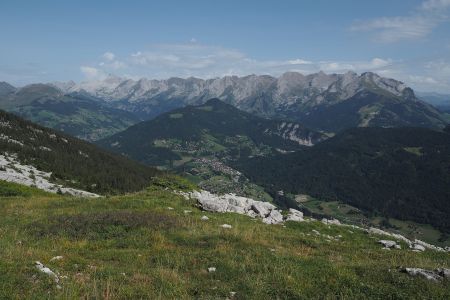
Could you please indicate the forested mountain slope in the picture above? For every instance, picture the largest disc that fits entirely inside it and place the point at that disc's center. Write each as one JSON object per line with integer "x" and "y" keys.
{"x": 71, "y": 161}
{"x": 398, "y": 172}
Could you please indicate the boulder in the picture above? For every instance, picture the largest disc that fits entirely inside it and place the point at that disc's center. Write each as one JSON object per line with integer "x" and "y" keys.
{"x": 445, "y": 273}
{"x": 294, "y": 215}
{"x": 236, "y": 209}
{"x": 214, "y": 205}
{"x": 263, "y": 209}
{"x": 417, "y": 247}
{"x": 388, "y": 243}
{"x": 331, "y": 221}
{"x": 430, "y": 275}
{"x": 274, "y": 217}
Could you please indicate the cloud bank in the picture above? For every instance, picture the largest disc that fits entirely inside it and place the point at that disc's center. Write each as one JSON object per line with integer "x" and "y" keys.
{"x": 204, "y": 61}
{"x": 418, "y": 24}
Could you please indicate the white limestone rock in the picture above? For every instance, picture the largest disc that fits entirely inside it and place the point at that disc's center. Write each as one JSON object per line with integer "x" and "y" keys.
{"x": 263, "y": 209}
{"x": 237, "y": 204}
{"x": 274, "y": 217}
{"x": 331, "y": 221}
{"x": 417, "y": 247}
{"x": 430, "y": 275}
{"x": 47, "y": 271}
{"x": 387, "y": 243}
{"x": 294, "y": 215}
{"x": 12, "y": 170}
{"x": 59, "y": 257}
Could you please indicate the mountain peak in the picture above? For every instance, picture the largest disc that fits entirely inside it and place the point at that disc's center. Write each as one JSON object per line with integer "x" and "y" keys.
{"x": 39, "y": 89}
{"x": 6, "y": 88}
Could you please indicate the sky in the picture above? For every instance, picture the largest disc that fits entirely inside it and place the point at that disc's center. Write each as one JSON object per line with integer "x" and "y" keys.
{"x": 45, "y": 41}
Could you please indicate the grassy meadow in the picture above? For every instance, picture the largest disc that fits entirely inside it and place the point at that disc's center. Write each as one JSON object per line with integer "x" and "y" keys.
{"x": 154, "y": 245}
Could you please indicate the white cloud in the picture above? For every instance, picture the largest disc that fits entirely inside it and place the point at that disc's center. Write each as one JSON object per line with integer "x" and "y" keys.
{"x": 435, "y": 4}
{"x": 92, "y": 73}
{"x": 203, "y": 61}
{"x": 299, "y": 61}
{"x": 418, "y": 24}
{"x": 422, "y": 79}
{"x": 109, "y": 56}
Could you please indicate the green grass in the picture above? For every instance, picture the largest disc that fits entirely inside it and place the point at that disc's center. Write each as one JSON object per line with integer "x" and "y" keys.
{"x": 176, "y": 116}
{"x": 414, "y": 150}
{"x": 9, "y": 189}
{"x": 134, "y": 247}
{"x": 205, "y": 107}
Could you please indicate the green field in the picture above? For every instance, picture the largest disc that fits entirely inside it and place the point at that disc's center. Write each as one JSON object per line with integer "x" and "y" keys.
{"x": 134, "y": 247}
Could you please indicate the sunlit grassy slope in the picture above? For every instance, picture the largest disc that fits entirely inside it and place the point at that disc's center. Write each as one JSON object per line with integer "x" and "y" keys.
{"x": 134, "y": 246}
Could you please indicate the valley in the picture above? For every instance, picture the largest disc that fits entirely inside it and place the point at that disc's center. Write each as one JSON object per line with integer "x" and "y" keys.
{"x": 201, "y": 141}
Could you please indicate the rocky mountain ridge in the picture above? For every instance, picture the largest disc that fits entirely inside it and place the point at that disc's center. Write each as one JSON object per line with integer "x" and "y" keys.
{"x": 367, "y": 99}
{"x": 284, "y": 88}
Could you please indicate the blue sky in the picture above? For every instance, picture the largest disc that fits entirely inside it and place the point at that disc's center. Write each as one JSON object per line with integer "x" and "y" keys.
{"x": 46, "y": 41}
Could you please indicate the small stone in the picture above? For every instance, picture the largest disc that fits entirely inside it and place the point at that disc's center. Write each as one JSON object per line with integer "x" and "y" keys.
{"x": 59, "y": 257}
{"x": 204, "y": 218}
{"x": 232, "y": 294}
{"x": 227, "y": 226}
{"x": 170, "y": 208}
{"x": 187, "y": 211}
{"x": 211, "y": 269}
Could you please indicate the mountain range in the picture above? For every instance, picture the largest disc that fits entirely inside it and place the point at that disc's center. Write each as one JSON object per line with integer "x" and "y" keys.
{"x": 324, "y": 102}
{"x": 77, "y": 114}
{"x": 328, "y": 102}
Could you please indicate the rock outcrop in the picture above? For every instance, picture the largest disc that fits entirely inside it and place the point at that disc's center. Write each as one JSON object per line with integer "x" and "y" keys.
{"x": 271, "y": 215}
{"x": 294, "y": 215}
{"x": 433, "y": 275}
{"x": 12, "y": 170}
{"x": 237, "y": 204}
